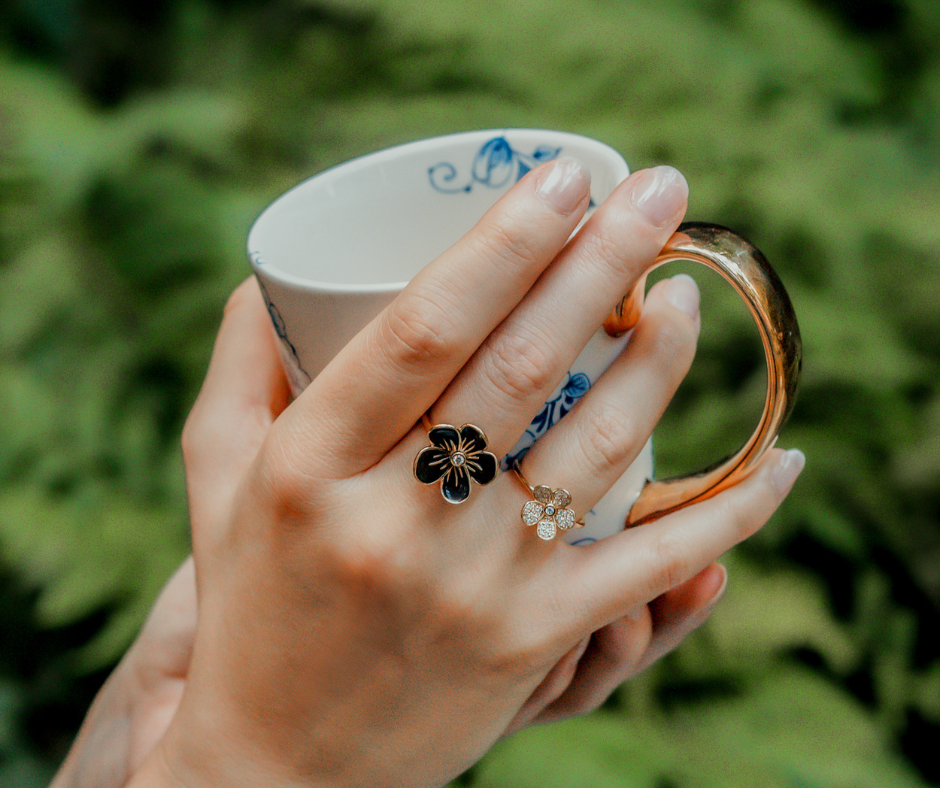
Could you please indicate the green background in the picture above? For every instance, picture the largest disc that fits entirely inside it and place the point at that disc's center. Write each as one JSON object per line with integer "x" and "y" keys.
{"x": 136, "y": 147}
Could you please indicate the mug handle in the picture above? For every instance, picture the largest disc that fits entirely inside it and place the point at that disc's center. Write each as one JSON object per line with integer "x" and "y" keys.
{"x": 748, "y": 271}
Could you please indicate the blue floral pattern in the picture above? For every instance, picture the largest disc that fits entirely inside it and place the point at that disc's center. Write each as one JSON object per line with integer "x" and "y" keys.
{"x": 575, "y": 387}
{"x": 495, "y": 165}
{"x": 280, "y": 328}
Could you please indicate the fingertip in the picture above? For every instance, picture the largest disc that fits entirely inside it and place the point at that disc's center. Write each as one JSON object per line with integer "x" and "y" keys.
{"x": 789, "y": 465}
{"x": 682, "y": 292}
{"x": 564, "y": 184}
{"x": 714, "y": 582}
{"x": 660, "y": 195}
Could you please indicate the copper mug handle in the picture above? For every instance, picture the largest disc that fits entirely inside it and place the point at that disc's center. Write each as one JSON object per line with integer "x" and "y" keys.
{"x": 748, "y": 271}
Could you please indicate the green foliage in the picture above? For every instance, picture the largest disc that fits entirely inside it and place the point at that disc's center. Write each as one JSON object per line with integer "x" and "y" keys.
{"x": 129, "y": 177}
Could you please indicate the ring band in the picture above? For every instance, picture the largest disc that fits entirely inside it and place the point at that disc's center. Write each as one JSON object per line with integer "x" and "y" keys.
{"x": 548, "y": 511}
{"x": 455, "y": 458}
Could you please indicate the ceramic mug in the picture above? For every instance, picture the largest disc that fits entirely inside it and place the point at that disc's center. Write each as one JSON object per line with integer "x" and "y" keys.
{"x": 335, "y": 250}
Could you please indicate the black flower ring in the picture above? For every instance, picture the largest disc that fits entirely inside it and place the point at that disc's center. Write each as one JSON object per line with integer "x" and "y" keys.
{"x": 455, "y": 457}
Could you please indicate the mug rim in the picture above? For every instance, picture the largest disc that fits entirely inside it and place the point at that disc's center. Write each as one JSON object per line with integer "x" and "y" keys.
{"x": 271, "y": 271}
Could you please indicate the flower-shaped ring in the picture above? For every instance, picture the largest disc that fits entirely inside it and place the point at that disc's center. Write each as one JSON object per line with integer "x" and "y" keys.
{"x": 549, "y": 512}
{"x": 454, "y": 458}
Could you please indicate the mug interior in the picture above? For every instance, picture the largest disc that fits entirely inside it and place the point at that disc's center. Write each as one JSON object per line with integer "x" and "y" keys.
{"x": 372, "y": 223}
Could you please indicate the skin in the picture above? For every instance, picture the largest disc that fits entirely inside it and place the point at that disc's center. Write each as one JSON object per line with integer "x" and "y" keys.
{"x": 351, "y": 628}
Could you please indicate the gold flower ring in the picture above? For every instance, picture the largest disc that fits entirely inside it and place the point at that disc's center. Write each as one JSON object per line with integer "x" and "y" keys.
{"x": 548, "y": 511}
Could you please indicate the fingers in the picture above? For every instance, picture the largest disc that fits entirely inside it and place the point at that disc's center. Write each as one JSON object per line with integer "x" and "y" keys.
{"x": 166, "y": 640}
{"x": 631, "y": 644}
{"x": 590, "y": 449}
{"x": 611, "y": 657}
{"x": 380, "y": 384}
{"x": 245, "y": 389}
{"x": 550, "y": 689}
{"x": 515, "y": 371}
{"x": 640, "y": 564}
{"x": 680, "y": 611}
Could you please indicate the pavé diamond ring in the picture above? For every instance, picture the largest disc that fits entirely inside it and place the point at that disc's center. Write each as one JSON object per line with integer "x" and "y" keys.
{"x": 549, "y": 511}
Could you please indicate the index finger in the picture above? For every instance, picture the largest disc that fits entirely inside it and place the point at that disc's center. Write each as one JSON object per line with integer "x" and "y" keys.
{"x": 381, "y": 383}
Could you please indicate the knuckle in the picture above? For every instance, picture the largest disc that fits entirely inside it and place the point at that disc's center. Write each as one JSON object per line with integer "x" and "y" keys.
{"x": 669, "y": 560}
{"x": 519, "y": 366}
{"x": 606, "y": 251}
{"x": 196, "y": 439}
{"x": 518, "y": 653}
{"x": 608, "y": 436}
{"x": 189, "y": 440}
{"x": 508, "y": 243}
{"x": 742, "y": 521}
{"x": 284, "y": 484}
{"x": 375, "y": 563}
{"x": 418, "y": 331}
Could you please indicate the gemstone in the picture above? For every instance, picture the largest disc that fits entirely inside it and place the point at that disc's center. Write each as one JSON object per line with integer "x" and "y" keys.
{"x": 565, "y": 519}
{"x": 561, "y": 498}
{"x": 531, "y": 512}
{"x": 546, "y": 530}
{"x": 457, "y": 459}
{"x": 549, "y": 510}
{"x": 542, "y": 494}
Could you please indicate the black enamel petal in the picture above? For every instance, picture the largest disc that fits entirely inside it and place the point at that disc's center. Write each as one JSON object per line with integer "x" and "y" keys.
{"x": 431, "y": 464}
{"x": 483, "y": 467}
{"x": 456, "y": 486}
{"x": 444, "y": 436}
{"x": 473, "y": 438}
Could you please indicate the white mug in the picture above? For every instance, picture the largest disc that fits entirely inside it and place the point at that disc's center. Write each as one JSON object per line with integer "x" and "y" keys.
{"x": 335, "y": 250}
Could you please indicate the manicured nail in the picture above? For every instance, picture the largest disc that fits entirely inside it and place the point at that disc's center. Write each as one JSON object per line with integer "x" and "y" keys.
{"x": 564, "y": 184}
{"x": 682, "y": 292}
{"x": 786, "y": 471}
{"x": 722, "y": 584}
{"x": 660, "y": 193}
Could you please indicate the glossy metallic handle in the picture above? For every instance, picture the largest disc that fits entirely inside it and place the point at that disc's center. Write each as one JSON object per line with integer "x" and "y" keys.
{"x": 750, "y": 274}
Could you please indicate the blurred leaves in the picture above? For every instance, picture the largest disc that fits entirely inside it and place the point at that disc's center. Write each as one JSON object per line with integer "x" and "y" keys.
{"x": 137, "y": 145}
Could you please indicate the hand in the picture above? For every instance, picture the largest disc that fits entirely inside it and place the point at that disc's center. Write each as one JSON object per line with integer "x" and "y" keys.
{"x": 136, "y": 704}
{"x": 354, "y": 628}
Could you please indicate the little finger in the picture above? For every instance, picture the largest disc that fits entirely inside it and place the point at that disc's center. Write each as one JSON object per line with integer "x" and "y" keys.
{"x": 639, "y": 564}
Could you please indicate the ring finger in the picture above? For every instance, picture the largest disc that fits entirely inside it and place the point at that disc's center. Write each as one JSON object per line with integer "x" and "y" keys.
{"x": 591, "y": 448}
{"x": 509, "y": 378}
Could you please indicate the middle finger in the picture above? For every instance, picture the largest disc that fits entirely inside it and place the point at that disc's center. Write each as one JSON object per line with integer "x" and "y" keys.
{"x": 506, "y": 382}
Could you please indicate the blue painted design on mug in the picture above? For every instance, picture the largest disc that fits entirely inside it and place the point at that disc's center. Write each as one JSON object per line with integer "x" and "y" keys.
{"x": 575, "y": 387}
{"x": 280, "y": 328}
{"x": 495, "y": 165}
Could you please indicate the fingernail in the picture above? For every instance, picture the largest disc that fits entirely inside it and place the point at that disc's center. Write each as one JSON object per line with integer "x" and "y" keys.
{"x": 722, "y": 585}
{"x": 786, "y": 471}
{"x": 564, "y": 184}
{"x": 682, "y": 292}
{"x": 660, "y": 193}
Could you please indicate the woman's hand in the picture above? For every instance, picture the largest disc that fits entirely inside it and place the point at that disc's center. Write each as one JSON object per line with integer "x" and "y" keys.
{"x": 356, "y": 629}
{"x": 136, "y": 704}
